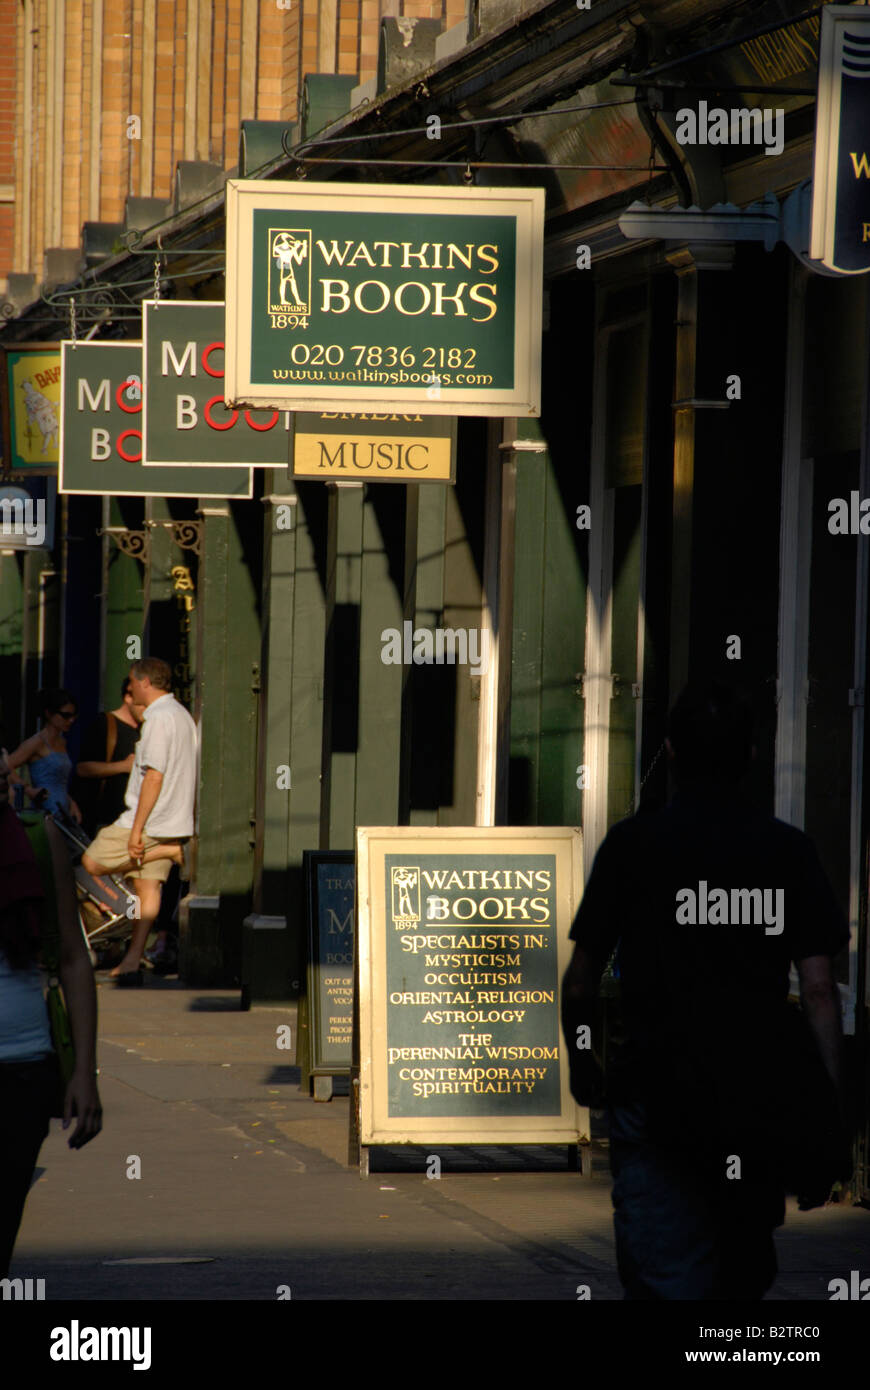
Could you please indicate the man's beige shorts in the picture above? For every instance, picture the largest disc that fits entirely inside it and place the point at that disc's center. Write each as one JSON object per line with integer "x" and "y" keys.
{"x": 109, "y": 847}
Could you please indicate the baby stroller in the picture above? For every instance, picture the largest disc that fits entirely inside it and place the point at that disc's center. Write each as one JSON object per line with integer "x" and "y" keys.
{"x": 103, "y": 902}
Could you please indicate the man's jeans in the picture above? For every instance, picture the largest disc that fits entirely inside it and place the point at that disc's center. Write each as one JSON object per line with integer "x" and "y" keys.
{"x": 682, "y": 1232}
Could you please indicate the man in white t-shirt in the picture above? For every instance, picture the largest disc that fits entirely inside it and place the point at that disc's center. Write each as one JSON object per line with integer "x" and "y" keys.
{"x": 147, "y": 839}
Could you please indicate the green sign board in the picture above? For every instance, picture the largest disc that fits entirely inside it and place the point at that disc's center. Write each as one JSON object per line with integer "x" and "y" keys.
{"x": 487, "y": 999}
{"x": 184, "y": 419}
{"x": 101, "y": 432}
{"x": 396, "y": 297}
{"x": 463, "y": 940}
{"x": 330, "y": 881}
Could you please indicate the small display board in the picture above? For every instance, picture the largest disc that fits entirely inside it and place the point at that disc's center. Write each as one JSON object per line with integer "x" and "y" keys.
{"x": 330, "y": 878}
{"x": 462, "y": 942}
{"x": 386, "y": 447}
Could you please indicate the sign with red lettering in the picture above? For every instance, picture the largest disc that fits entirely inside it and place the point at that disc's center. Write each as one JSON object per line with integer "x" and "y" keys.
{"x": 30, "y": 408}
{"x": 101, "y": 432}
{"x": 184, "y": 419}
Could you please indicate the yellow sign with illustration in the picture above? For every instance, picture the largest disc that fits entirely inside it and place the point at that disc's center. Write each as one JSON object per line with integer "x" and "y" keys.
{"x": 33, "y": 413}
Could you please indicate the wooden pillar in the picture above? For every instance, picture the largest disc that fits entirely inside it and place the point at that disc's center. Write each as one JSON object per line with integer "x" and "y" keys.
{"x": 227, "y": 664}
{"x": 291, "y": 732}
{"x": 696, "y": 312}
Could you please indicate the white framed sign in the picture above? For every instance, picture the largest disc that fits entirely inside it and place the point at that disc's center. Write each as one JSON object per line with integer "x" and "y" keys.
{"x": 462, "y": 941}
{"x": 384, "y": 298}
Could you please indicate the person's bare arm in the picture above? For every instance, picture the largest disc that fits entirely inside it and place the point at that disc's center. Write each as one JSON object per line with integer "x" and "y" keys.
{"x": 820, "y": 1000}
{"x": 148, "y": 794}
{"x": 17, "y": 758}
{"x": 79, "y": 992}
{"x": 22, "y": 754}
{"x": 95, "y": 769}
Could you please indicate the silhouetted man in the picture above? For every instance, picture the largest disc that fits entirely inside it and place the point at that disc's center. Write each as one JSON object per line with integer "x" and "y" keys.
{"x": 720, "y": 1096}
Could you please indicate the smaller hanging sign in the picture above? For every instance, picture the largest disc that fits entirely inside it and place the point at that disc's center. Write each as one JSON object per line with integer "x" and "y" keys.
{"x": 379, "y": 448}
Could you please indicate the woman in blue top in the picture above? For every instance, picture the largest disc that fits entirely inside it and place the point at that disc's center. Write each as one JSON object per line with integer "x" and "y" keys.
{"x": 47, "y": 756}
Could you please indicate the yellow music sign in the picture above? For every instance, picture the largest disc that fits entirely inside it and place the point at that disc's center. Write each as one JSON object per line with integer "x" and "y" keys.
{"x": 374, "y": 448}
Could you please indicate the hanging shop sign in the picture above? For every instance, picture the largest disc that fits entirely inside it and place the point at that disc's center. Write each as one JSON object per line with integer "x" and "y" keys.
{"x": 30, "y": 408}
{"x": 184, "y": 420}
{"x": 330, "y": 881}
{"x": 377, "y": 448}
{"x": 101, "y": 432}
{"x": 384, "y": 299}
{"x": 840, "y": 227}
{"x": 462, "y": 942}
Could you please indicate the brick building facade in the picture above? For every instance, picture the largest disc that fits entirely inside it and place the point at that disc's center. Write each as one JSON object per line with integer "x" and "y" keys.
{"x": 104, "y": 99}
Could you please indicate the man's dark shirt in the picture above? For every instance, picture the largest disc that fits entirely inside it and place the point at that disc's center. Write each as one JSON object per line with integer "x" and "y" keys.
{"x": 104, "y": 807}
{"x": 703, "y": 1006}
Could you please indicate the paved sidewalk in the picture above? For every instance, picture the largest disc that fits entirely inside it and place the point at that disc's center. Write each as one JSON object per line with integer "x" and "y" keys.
{"x": 245, "y": 1187}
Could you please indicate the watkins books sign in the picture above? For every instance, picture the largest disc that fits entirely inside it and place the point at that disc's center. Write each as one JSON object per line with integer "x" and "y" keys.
{"x": 384, "y": 298}
{"x": 462, "y": 940}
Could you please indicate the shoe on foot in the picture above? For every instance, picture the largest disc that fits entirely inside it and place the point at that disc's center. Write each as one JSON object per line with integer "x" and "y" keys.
{"x": 166, "y": 963}
{"x": 130, "y": 979}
